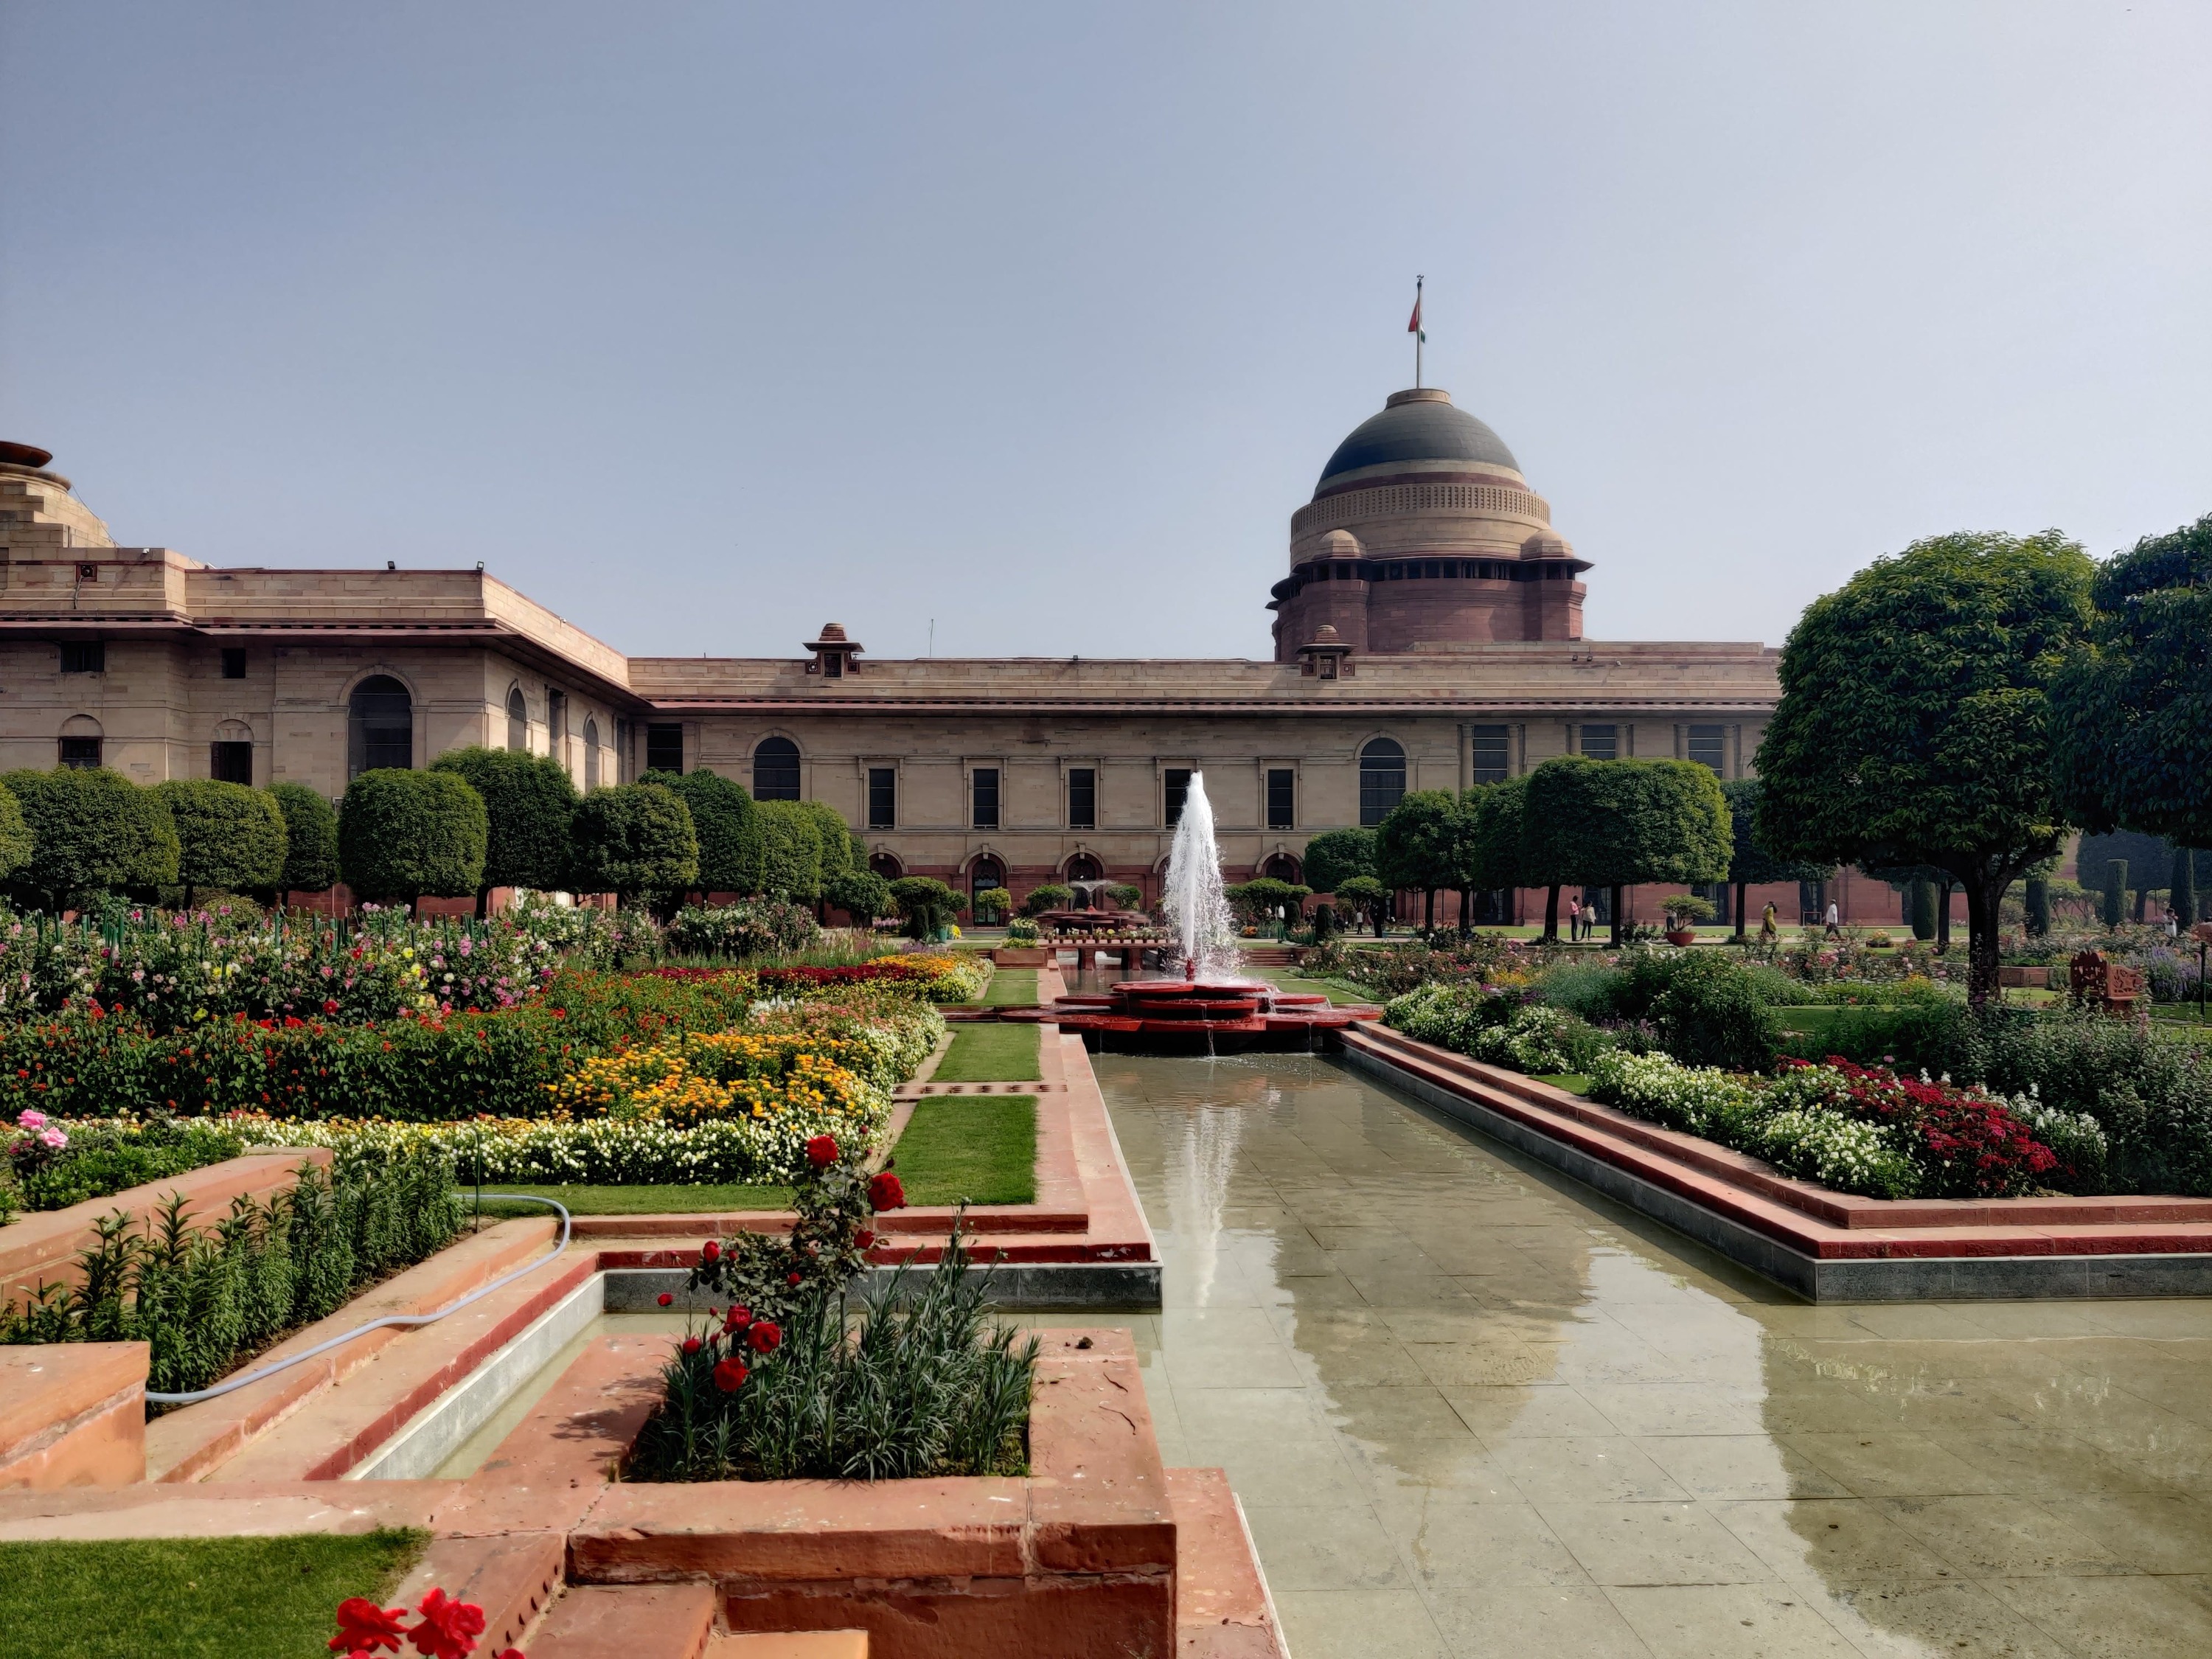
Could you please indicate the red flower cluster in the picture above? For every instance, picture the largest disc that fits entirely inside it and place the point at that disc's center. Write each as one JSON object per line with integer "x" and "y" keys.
{"x": 1973, "y": 1145}
{"x": 887, "y": 1191}
{"x": 822, "y": 1150}
{"x": 448, "y": 1631}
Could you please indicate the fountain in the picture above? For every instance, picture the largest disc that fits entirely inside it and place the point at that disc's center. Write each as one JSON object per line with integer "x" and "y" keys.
{"x": 1212, "y": 1006}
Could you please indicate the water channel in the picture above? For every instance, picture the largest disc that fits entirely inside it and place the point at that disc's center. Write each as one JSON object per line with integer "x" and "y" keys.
{"x": 1471, "y": 1408}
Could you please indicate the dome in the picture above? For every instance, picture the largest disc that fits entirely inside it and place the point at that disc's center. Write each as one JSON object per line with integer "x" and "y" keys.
{"x": 1419, "y": 426}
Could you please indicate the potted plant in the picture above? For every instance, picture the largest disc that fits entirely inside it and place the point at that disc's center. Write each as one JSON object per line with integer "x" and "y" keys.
{"x": 1684, "y": 911}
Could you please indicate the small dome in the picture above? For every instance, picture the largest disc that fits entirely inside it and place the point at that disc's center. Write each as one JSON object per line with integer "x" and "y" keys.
{"x": 1421, "y": 425}
{"x": 1339, "y": 544}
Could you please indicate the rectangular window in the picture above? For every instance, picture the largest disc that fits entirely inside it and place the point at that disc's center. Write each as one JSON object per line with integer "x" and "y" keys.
{"x": 231, "y": 762}
{"x": 82, "y": 752}
{"x": 985, "y": 787}
{"x": 85, "y": 657}
{"x": 1178, "y": 790}
{"x": 234, "y": 662}
{"x": 556, "y": 719}
{"x": 882, "y": 797}
{"x": 1602, "y": 742}
{"x": 1282, "y": 798}
{"x": 1709, "y": 747}
{"x": 1493, "y": 755}
{"x": 1082, "y": 798}
{"x": 664, "y": 747}
{"x": 833, "y": 666}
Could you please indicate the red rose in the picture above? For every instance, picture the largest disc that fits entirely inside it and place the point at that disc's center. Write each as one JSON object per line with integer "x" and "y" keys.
{"x": 791, "y": 1279}
{"x": 730, "y": 1376}
{"x": 363, "y": 1626}
{"x": 766, "y": 1336}
{"x": 865, "y": 1237}
{"x": 886, "y": 1192}
{"x": 449, "y": 1628}
{"x": 709, "y": 1250}
{"x": 666, "y": 1299}
{"x": 330, "y": 1004}
{"x": 691, "y": 1345}
{"x": 738, "y": 1319}
{"x": 822, "y": 1150}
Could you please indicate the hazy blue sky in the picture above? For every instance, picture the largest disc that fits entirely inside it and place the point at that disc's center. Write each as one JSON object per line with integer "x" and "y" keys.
{"x": 706, "y": 324}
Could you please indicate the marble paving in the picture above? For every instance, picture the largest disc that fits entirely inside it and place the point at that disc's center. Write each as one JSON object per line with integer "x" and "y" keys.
{"x": 1471, "y": 1410}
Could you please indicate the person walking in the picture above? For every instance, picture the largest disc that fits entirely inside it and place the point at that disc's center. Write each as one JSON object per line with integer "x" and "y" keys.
{"x": 1574, "y": 918}
{"x": 1767, "y": 931}
{"x": 1835, "y": 921}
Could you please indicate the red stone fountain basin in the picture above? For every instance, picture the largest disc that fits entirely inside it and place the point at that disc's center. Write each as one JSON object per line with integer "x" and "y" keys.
{"x": 1181, "y": 1013}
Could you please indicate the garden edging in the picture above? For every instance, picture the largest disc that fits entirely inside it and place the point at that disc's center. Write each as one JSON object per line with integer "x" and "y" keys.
{"x": 1825, "y": 1246}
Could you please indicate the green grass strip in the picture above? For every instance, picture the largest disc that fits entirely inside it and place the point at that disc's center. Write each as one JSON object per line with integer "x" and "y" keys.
{"x": 192, "y": 1598}
{"x": 1012, "y": 988}
{"x": 669, "y": 1199}
{"x": 976, "y": 1149}
{"x": 990, "y": 1053}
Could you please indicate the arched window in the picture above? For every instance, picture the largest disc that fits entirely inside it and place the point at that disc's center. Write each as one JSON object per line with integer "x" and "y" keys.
{"x": 1382, "y": 780}
{"x": 381, "y": 726}
{"x": 518, "y": 722}
{"x": 1282, "y": 867}
{"x": 887, "y": 865}
{"x": 1083, "y": 868}
{"x": 987, "y": 874}
{"x": 775, "y": 769}
{"x": 590, "y": 753}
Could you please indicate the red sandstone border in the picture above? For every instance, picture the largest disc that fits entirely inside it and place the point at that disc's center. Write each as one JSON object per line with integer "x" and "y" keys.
{"x": 1820, "y": 1223}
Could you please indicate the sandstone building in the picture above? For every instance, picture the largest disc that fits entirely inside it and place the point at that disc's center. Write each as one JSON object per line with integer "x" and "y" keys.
{"x": 1428, "y": 634}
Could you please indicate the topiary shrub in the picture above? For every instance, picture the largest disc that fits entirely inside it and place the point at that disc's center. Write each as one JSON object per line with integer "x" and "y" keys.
{"x": 926, "y": 903}
{"x": 1050, "y": 896}
{"x": 791, "y": 851}
{"x": 861, "y": 894}
{"x": 636, "y": 840}
{"x": 403, "y": 834}
{"x": 732, "y": 842}
{"x": 14, "y": 835}
{"x": 228, "y": 835}
{"x": 92, "y": 831}
{"x": 529, "y": 803}
{"x": 311, "y": 839}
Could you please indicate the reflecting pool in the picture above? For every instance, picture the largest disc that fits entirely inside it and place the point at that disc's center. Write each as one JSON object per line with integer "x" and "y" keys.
{"x": 1472, "y": 1408}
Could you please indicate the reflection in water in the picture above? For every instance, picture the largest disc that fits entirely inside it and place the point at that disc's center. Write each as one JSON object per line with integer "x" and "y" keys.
{"x": 1470, "y": 1408}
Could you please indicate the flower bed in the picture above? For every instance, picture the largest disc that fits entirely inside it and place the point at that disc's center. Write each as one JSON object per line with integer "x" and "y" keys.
{"x": 51, "y": 1165}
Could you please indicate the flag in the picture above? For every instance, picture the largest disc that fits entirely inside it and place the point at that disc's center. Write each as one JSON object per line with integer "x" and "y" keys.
{"x": 1413, "y": 325}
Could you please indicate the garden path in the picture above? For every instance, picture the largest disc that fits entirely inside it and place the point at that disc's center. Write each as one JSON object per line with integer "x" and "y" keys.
{"x": 1472, "y": 1409}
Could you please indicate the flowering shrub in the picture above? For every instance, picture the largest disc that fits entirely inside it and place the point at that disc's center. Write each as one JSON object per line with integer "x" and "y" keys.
{"x": 1965, "y": 1144}
{"x": 55, "y": 1166}
{"x": 751, "y": 927}
{"x": 1396, "y": 968}
{"x": 722, "y": 1075}
{"x": 1500, "y": 1027}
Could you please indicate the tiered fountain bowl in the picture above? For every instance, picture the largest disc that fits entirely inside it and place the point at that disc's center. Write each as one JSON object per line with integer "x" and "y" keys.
{"x": 1179, "y": 1016}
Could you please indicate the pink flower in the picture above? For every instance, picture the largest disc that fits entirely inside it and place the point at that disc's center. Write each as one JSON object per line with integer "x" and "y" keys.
{"x": 32, "y": 1120}
{"x": 54, "y": 1139}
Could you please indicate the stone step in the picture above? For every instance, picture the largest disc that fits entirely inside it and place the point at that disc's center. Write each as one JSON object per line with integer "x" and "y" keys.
{"x": 511, "y": 1578}
{"x": 791, "y": 1644}
{"x": 628, "y": 1621}
{"x": 1223, "y": 1610}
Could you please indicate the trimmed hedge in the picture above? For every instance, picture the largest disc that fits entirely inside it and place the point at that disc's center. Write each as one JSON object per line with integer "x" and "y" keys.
{"x": 92, "y": 831}
{"x": 403, "y": 834}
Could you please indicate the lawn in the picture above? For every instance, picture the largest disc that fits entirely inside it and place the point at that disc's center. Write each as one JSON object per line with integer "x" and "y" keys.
{"x": 989, "y": 1053}
{"x": 980, "y": 1148}
{"x": 639, "y": 1200}
{"x": 192, "y": 1598}
{"x": 1012, "y": 988}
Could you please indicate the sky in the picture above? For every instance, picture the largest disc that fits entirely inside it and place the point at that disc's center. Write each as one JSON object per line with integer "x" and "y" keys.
{"x": 1023, "y": 330}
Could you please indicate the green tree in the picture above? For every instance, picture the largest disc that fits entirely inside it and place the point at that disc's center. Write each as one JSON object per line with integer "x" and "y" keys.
{"x": 635, "y": 840}
{"x": 1050, "y": 896}
{"x": 1422, "y": 845}
{"x": 1750, "y": 864}
{"x": 404, "y": 834}
{"x": 2038, "y": 906}
{"x": 1914, "y": 726}
{"x": 731, "y": 843}
{"x": 2116, "y": 892}
{"x": 860, "y": 894}
{"x": 1335, "y": 854}
{"x": 1364, "y": 895}
{"x": 1257, "y": 900}
{"x": 310, "y": 839}
{"x": 228, "y": 835}
{"x": 991, "y": 904}
{"x": 926, "y": 903}
{"x": 2182, "y": 886}
{"x": 1619, "y": 824}
{"x": 529, "y": 805}
{"x": 791, "y": 851}
{"x": 839, "y": 849}
{"x": 14, "y": 835}
{"x": 2132, "y": 739}
{"x": 1499, "y": 862}
{"x": 92, "y": 831}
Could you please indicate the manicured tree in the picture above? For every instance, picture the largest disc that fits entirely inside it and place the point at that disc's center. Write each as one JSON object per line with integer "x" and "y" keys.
{"x": 2132, "y": 742}
{"x": 791, "y": 851}
{"x": 92, "y": 831}
{"x": 1256, "y": 901}
{"x": 1914, "y": 726}
{"x": 1418, "y": 845}
{"x": 1499, "y": 859}
{"x": 635, "y": 840}
{"x": 1923, "y": 894}
{"x": 1750, "y": 863}
{"x": 1619, "y": 824}
{"x": 14, "y": 835}
{"x": 861, "y": 894}
{"x": 310, "y": 839}
{"x": 2183, "y": 887}
{"x": 1553, "y": 808}
{"x": 1050, "y": 896}
{"x": 2116, "y": 892}
{"x": 228, "y": 835}
{"x": 530, "y": 803}
{"x": 993, "y": 902}
{"x": 1365, "y": 894}
{"x": 732, "y": 842}
{"x": 1125, "y": 897}
{"x": 833, "y": 837}
{"x": 404, "y": 834}
{"x": 2038, "y": 906}
{"x": 928, "y": 904}
{"x": 1335, "y": 854}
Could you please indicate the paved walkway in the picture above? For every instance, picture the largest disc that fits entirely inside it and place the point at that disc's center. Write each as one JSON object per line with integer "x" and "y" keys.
{"x": 1471, "y": 1410}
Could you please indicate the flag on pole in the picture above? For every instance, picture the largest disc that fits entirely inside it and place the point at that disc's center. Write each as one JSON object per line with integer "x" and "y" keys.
{"x": 1414, "y": 326}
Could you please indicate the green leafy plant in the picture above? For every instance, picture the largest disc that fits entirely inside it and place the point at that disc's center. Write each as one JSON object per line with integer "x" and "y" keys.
{"x": 311, "y": 839}
{"x": 403, "y": 834}
{"x": 228, "y": 836}
{"x": 635, "y": 840}
{"x": 529, "y": 806}
{"x": 926, "y": 903}
{"x": 93, "y": 831}
{"x": 1335, "y": 855}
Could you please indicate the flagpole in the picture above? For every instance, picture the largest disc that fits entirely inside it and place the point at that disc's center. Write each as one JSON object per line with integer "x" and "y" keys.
{"x": 1418, "y": 336}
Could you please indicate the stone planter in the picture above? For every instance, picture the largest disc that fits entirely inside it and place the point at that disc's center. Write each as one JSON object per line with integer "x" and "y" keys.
{"x": 2035, "y": 978}
{"x": 1075, "y": 1560}
{"x": 1681, "y": 936}
{"x": 1019, "y": 956}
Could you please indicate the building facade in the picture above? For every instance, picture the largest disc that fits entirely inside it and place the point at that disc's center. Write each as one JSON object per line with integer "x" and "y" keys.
{"x": 1428, "y": 636}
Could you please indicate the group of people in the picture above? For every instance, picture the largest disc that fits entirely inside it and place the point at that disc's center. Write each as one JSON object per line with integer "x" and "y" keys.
{"x": 1583, "y": 919}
